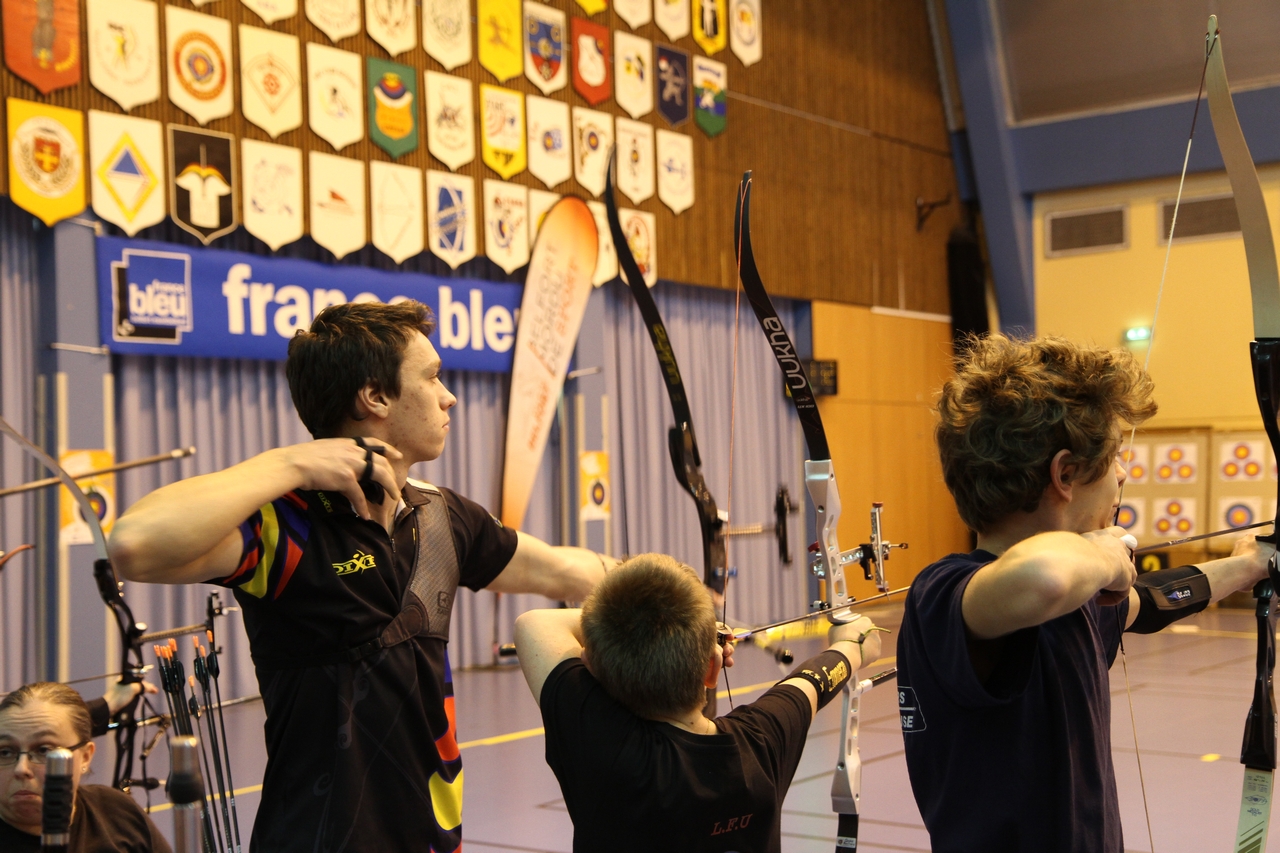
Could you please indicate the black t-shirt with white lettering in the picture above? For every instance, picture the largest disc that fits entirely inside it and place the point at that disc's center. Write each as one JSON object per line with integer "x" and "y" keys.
{"x": 105, "y": 821}
{"x": 1020, "y": 761}
{"x": 636, "y": 784}
{"x": 364, "y": 755}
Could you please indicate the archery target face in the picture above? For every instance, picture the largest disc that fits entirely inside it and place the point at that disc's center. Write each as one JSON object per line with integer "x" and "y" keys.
{"x": 101, "y": 491}
{"x": 1241, "y": 461}
{"x": 1174, "y": 518}
{"x": 1132, "y": 516}
{"x": 1176, "y": 463}
{"x": 1239, "y": 511}
{"x": 1137, "y": 462}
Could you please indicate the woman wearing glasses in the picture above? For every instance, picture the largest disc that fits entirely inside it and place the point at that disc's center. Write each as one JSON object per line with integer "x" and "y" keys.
{"x": 34, "y": 720}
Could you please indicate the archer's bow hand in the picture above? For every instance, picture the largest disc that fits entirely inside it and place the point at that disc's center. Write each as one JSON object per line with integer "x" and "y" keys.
{"x": 122, "y": 693}
{"x": 861, "y": 632}
{"x": 1255, "y": 557}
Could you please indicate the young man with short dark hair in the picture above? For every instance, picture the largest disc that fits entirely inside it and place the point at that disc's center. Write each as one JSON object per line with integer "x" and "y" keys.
{"x": 1004, "y": 652}
{"x": 622, "y": 684}
{"x": 346, "y": 571}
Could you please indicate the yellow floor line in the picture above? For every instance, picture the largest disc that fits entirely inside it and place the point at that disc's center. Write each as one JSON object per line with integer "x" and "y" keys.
{"x": 496, "y": 739}
{"x": 1197, "y": 631}
{"x": 239, "y": 792}
{"x": 527, "y": 733}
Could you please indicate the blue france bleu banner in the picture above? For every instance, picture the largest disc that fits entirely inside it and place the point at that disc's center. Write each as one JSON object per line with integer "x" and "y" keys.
{"x": 166, "y": 299}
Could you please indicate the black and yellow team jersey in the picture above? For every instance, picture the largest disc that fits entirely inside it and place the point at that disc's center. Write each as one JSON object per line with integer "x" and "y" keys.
{"x": 362, "y": 753}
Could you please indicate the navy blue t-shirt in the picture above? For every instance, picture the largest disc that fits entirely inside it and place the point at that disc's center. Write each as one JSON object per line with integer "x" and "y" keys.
{"x": 1019, "y": 760}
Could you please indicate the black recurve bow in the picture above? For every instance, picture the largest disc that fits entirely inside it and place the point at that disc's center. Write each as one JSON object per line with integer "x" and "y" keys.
{"x": 820, "y": 480}
{"x": 681, "y": 441}
{"x": 131, "y": 664}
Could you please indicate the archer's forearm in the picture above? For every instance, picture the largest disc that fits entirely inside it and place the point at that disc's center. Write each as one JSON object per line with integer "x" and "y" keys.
{"x": 178, "y": 525}
{"x": 1038, "y": 579}
{"x": 580, "y": 570}
{"x": 557, "y": 572}
{"x": 544, "y": 638}
{"x": 1231, "y": 574}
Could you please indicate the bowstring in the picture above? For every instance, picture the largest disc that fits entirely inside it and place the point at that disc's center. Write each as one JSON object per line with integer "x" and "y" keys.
{"x": 1127, "y": 457}
{"x": 733, "y": 413}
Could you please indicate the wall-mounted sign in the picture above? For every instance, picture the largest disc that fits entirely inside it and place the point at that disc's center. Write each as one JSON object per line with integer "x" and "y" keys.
{"x": 166, "y": 299}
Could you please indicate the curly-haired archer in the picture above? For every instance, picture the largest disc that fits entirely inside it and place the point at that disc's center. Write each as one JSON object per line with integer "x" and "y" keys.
{"x": 1013, "y": 404}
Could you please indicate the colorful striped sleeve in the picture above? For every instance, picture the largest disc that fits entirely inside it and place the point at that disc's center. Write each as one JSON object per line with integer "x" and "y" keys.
{"x": 273, "y": 540}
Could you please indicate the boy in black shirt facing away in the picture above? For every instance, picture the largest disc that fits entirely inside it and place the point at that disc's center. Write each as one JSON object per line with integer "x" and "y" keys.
{"x": 622, "y": 684}
{"x": 1004, "y": 652}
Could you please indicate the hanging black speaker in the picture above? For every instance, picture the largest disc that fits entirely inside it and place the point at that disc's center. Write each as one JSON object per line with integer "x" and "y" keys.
{"x": 967, "y": 284}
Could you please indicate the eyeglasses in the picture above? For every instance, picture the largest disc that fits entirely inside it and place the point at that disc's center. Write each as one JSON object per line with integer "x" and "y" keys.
{"x": 37, "y": 755}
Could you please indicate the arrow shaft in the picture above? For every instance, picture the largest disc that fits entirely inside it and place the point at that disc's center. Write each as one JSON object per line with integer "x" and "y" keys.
{"x": 179, "y": 453}
{"x": 1147, "y": 549}
{"x": 817, "y": 614}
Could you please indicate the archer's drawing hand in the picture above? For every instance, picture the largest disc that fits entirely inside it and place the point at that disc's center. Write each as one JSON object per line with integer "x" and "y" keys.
{"x": 337, "y": 464}
{"x": 1117, "y": 564}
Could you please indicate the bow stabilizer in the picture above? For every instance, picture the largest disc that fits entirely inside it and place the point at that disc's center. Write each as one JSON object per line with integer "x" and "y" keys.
{"x": 829, "y": 561}
{"x": 1258, "y": 751}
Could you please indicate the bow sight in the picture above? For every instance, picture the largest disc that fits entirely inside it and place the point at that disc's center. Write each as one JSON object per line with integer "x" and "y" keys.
{"x": 870, "y": 555}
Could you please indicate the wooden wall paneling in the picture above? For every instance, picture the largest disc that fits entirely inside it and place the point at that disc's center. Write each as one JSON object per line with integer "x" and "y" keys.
{"x": 880, "y": 427}
{"x": 841, "y": 121}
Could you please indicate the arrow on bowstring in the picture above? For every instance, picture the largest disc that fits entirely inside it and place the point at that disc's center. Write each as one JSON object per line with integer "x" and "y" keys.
{"x": 1258, "y": 751}
{"x": 820, "y": 479}
{"x": 829, "y": 613}
{"x": 131, "y": 663}
{"x": 1147, "y": 549}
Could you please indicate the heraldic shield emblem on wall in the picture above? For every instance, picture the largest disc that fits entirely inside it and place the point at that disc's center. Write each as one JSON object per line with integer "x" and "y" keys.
{"x": 393, "y": 106}
{"x": 591, "y": 60}
{"x": 544, "y": 47}
{"x": 203, "y": 196}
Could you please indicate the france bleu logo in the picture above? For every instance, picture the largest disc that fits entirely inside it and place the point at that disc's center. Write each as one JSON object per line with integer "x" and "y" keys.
{"x": 152, "y": 296}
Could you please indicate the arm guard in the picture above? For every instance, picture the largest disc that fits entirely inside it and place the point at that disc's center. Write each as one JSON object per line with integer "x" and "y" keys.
{"x": 1168, "y": 595}
{"x": 827, "y": 672}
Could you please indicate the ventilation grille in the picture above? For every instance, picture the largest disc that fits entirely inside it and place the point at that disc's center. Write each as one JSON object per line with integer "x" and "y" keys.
{"x": 1086, "y": 231}
{"x": 1200, "y": 217}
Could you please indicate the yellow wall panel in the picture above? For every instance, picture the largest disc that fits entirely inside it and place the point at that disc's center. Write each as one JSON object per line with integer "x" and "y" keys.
{"x": 880, "y": 428}
{"x": 1200, "y": 354}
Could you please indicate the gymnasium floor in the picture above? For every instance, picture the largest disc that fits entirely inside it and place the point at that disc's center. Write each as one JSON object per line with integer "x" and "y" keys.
{"x": 1190, "y": 686}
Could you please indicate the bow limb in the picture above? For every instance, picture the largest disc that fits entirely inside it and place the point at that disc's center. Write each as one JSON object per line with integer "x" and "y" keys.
{"x": 1258, "y": 752}
{"x": 829, "y": 561}
{"x": 131, "y": 665}
{"x": 681, "y": 440}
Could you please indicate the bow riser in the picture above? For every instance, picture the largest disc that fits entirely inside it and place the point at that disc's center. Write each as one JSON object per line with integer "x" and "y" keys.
{"x": 820, "y": 480}
{"x": 846, "y": 784}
